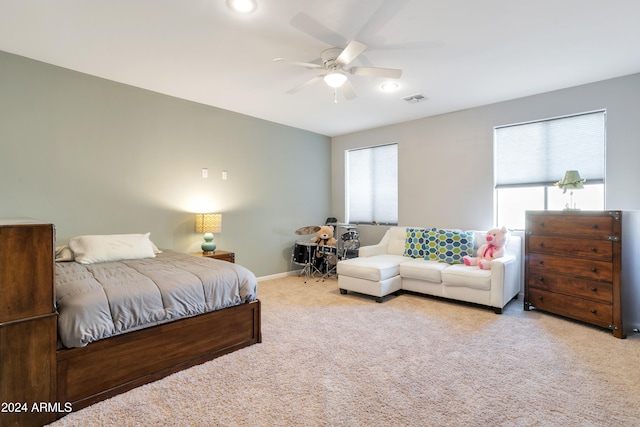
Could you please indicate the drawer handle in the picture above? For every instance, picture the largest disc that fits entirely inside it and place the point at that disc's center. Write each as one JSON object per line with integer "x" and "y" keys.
{"x": 593, "y": 270}
{"x": 542, "y": 245}
{"x": 593, "y": 249}
{"x": 541, "y": 279}
{"x": 594, "y": 226}
{"x": 541, "y": 262}
{"x": 540, "y": 298}
{"x": 594, "y": 289}
{"x": 594, "y": 311}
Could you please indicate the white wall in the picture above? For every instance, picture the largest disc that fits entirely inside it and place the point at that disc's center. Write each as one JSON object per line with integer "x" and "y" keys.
{"x": 446, "y": 162}
{"x": 97, "y": 157}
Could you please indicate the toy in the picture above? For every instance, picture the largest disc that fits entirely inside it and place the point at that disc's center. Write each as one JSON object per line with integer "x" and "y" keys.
{"x": 494, "y": 248}
{"x": 324, "y": 237}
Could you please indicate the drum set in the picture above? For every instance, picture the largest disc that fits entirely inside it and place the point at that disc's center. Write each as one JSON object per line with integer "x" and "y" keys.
{"x": 323, "y": 259}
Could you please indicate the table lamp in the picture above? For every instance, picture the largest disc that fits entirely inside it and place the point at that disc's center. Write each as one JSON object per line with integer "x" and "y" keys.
{"x": 208, "y": 223}
{"x": 571, "y": 181}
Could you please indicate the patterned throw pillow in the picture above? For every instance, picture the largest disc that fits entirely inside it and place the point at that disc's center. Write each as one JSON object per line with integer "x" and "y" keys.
{"x": 454, "y": 245}
{"x": 413, "y": 242}
{"x": 432, "y": 244}
{"x": 421, "y": 243}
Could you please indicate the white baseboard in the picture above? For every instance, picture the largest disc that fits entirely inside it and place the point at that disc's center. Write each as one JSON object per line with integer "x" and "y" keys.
{"x": 279, "y": 275}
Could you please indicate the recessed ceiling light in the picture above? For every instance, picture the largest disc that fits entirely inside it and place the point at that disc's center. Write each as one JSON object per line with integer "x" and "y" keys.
{"x": 242, "y": 6}
{"x": 390, "y": 86}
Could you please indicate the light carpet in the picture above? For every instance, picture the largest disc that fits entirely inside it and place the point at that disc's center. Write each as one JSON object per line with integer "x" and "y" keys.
{"x": 344, "y": 360}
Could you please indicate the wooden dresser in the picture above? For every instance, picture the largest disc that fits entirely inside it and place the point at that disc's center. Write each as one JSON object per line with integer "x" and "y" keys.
{"x": 574, "y": 264}
{"x": 27, "y": 323}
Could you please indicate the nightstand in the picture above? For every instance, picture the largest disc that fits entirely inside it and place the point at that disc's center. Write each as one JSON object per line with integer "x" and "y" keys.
{"x": 219, "y": 254}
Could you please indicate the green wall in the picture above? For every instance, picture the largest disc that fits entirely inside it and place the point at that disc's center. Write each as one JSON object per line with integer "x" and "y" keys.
{"x": 98, "y": 157}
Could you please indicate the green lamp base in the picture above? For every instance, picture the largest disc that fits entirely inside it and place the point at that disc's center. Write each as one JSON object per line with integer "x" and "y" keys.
{"x": 208, "y": 246}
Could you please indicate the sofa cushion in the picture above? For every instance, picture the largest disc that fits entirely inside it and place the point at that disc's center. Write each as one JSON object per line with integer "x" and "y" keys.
{"x": 421, "y": 243}
{"x": 469, "y": 277}
{"x": 422, "y": 269}
{"x": 453, "y": 245}
{"x": 376, "y": 268}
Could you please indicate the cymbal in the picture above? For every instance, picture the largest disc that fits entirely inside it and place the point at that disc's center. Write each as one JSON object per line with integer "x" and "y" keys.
{"x": 349, "y": 226}
{"x": 308, "y": 230}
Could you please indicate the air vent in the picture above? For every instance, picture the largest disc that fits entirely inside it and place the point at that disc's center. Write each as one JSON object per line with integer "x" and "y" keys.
{"x": 414, "y": 99}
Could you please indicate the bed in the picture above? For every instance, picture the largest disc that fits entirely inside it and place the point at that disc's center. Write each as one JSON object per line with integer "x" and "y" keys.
{"x": 125, "y": 321}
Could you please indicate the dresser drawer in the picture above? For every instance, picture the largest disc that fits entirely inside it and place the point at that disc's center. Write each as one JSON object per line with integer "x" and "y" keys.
{"x": 598, "y": 291}
{"x": 585, "y": 310}
{"x": 541, "y": 264}
{"x": 571, "y": 224}
{"x": 579, "y": 248}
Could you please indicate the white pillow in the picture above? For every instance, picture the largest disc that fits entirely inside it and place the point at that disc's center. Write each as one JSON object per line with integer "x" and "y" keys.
{"x": 64, "y": 253}
{"x": 111, "y": 247}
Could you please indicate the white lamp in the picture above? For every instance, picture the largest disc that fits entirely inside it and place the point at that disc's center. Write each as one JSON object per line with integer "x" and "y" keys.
{"x": 335, "y": 79}
{"x": 571, "y": 181}
{"x": 208, "y": 223}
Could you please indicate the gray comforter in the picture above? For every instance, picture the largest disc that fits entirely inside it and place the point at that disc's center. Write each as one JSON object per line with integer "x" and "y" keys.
{"x": 101, "y": 300}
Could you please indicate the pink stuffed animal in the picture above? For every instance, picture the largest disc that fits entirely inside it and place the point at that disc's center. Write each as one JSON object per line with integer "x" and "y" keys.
{"x": 494, "y": 248}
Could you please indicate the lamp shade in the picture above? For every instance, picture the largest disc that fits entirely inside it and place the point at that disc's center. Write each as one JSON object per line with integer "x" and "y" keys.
{"x": 571, "y": 181}
{"x": 335, "y": 79}
{"x": 208, "y": 223}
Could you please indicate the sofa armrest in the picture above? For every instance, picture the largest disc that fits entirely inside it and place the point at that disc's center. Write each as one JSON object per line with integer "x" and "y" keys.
{"x": 505, "y": 280}
{"x": 379, "y": 248}
{"x": 372, "y": 250}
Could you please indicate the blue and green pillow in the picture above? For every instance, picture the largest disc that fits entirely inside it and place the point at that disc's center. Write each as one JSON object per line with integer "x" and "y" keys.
{"x": 421, "y": 243}
{"x": 453, "y": 245}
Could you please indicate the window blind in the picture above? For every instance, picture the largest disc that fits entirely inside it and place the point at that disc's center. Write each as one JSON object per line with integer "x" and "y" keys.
{"x": 372, "y": 184}
{"x": 539, "y": 153}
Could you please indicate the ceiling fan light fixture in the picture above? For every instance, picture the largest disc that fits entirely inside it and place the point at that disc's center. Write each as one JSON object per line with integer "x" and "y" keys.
{"x": 335, "y": 79}
{"x": 242, "y": 6}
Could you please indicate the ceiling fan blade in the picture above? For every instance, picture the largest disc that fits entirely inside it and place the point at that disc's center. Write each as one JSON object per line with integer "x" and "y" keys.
{"x": 305, "y": 84}
{"x": 347, "y": 91}
{"x": 301, "y": 64}
{"x": 350, "y": 52}
{"x": 381, "y": 17}
{"x": 317, "y": 30}
{"x": 388, "y": 73}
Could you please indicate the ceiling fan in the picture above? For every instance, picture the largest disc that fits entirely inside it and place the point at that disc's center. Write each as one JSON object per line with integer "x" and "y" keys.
{"x": 334, "y": 61}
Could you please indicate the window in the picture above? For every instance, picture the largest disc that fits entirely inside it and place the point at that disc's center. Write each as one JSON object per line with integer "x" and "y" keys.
{"x": 531, "y": 157}
{"x": 372, "y": 185}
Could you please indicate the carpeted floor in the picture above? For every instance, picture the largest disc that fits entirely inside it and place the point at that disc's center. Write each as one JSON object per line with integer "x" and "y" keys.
{"x": 344, "y": 360}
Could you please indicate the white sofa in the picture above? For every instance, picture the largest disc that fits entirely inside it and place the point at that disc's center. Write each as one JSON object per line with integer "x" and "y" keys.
{"x": 387, "y": 268}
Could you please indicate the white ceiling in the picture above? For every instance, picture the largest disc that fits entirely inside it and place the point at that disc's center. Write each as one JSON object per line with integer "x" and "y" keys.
{"x": 457, "y": 53}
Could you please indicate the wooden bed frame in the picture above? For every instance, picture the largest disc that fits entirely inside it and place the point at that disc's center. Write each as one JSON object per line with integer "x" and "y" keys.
{"x": 34, "y": 372}
{"x": 112, "y": 366}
